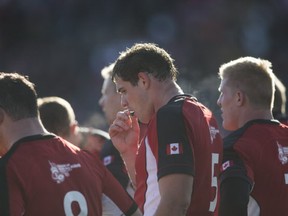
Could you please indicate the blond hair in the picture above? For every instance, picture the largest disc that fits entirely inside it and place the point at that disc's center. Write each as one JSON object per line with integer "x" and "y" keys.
{"x": 253, "y": 76}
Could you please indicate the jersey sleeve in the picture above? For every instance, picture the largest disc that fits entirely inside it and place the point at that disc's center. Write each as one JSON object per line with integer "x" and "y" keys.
{"x": 114, "y": 163}
{"x": 175, "y": 154}
{"x": 234, "y": 197}
{"x": 235, "y": 183}
{"x": 114, "y": 190}
{"x": 11, "y": 200}
{"x": 234, "y": 164}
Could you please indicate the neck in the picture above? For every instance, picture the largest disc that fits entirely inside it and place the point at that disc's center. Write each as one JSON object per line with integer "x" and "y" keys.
{"x": 167, "y": 91}
{"x": 15, "y": 130}
{"x": 253, "y": 114}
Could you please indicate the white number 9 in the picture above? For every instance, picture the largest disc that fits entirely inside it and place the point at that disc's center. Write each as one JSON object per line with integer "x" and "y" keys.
{"x": 75, "y": 196}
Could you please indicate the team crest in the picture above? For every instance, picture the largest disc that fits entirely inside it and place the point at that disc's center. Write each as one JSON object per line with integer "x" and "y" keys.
{"x": 282, "y": 154}
{"x": 213, "y": 133}
{"x": 60, "y": 171}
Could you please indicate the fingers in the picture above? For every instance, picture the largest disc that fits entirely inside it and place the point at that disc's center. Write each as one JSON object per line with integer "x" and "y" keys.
{"x": 122, "y": 123}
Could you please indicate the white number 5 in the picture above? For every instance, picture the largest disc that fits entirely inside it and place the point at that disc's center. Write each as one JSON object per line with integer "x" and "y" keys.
{"x": 214, "y": 181}
{"x": 75, "y": 196}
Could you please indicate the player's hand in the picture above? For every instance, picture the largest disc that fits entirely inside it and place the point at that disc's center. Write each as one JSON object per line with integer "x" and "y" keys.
{"x": 124, "y": 132}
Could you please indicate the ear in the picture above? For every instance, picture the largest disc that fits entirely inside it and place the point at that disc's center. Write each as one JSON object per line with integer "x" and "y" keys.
{"x": 73, "y": 128}
{"x": 240, "y": 98}
{"x": 144, "y": 80}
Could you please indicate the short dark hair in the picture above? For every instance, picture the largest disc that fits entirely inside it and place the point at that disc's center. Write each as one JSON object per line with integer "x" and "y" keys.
{"x": 144, "y": 57}
{"x": 56, "y": 114}
{"x": 18, "y": 96}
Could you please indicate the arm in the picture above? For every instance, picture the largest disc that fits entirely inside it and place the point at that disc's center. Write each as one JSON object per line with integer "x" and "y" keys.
{"x": 116, "y": 166}
{"x": 124, "y": 133}
{"x": 234, "y": 193}
{"x": 175, "y": 191}
{"x": 113, "y": 189}
{"x": 129, "y": 161}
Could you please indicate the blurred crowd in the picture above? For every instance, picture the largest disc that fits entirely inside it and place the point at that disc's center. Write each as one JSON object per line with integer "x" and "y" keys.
{"x": 62, "y": 45}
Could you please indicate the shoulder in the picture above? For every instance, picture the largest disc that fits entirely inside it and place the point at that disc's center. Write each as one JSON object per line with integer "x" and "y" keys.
{"x": 170, "y": 115}
{"x": 176, "y": 105}
{"x": 252, "y": 131}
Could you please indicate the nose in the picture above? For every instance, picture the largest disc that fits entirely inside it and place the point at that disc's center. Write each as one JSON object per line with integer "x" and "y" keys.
{"x": 100, "y": 102}
{"x": 219, "y": 102}
{"x": 124, "y": 102}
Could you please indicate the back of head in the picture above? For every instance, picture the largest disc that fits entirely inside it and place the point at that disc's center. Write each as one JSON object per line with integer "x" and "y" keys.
{"x": 144, "y": 57}
{"x": 254, "y": 77}
{"x": 106, "y": 72}
{"x": 56, "y": 115}
{"x": 279, "y": 108}
{"x": 18, "y": 96}
{"x": 93, "y": 139}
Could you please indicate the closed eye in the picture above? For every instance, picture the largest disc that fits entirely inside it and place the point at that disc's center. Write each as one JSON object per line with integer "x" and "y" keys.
{"x": 121, "y": 91}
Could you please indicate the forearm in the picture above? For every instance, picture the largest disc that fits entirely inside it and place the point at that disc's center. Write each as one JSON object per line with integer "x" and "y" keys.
{"x": 129, "y": 161}
{"x": 171, "y": 209}
{"x": 137, "y": 213}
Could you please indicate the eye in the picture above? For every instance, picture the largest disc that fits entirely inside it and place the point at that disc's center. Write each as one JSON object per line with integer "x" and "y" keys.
{"x": 121, "y": 91}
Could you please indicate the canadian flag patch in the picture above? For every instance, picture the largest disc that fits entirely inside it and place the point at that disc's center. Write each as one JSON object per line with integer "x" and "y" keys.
{"x": 107, "y": 160}
{"x": 226, "y": 165}
{"x": 174, "y": 149}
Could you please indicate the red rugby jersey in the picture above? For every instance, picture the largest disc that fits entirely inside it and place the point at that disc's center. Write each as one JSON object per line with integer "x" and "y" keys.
{"x": 182, "y": 137}
{"x": 258, "y": 153}
{"x": 46, "y": 175}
